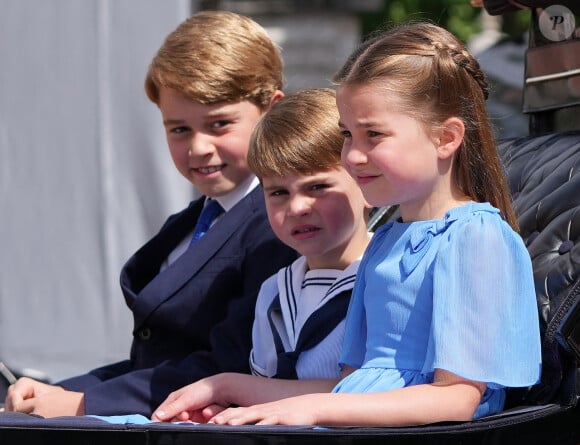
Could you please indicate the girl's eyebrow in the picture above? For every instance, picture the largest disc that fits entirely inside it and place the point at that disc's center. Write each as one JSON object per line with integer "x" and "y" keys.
{"x": 361, "y": 124}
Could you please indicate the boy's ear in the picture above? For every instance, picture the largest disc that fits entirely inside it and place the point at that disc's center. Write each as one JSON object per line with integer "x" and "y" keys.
{"x": 275, "y": 98}
{"x": 449, "y": 137}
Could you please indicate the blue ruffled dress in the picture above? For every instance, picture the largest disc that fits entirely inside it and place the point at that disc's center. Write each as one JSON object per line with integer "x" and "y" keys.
{"x": 455, "y": 293}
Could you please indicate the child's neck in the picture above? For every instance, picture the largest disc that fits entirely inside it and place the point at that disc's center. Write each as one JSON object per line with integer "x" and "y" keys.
{"x": 431, "y": 210}
{"x": 340, "y": 259}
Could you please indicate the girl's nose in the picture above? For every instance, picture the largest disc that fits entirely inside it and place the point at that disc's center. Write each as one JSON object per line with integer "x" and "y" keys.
{"x": 352, "y": 156}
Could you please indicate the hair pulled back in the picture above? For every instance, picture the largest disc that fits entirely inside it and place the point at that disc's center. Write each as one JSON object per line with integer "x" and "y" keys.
{"x": 433, "y": 77}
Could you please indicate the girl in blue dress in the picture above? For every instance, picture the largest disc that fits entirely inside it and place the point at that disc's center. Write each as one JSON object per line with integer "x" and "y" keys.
{"x": 443, "y": 315}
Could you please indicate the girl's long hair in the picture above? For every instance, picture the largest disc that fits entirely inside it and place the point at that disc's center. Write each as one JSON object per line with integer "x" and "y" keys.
{"x": 434, "y": 77}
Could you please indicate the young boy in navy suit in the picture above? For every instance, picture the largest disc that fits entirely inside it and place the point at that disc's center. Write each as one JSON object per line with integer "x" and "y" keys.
{"x": 192, "y": 302}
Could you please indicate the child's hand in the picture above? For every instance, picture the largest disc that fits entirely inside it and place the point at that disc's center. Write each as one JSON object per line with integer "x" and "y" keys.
{"x": 24, "y": 389}
{"x": 197, "y": 402}
{"x": 197, "y": 416}
{"x": 292, "y": 411}
{"x": 32, "y": 397}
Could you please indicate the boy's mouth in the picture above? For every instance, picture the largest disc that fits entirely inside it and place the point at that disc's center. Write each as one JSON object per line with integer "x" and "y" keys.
{"x": 304, "y": 229}
{"x": 209, "y": 170}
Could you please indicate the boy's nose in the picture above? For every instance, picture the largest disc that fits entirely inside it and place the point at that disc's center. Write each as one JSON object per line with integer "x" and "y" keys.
{"x": 299, "y": 205}
{"x": 200, "y": 146}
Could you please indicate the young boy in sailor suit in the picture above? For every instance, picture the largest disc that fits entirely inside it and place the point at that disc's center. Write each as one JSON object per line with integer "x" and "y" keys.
{"x": 315, "y": 207}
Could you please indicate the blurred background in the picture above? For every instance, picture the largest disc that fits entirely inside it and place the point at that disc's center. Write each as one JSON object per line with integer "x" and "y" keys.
{"x": 85, "y": 175}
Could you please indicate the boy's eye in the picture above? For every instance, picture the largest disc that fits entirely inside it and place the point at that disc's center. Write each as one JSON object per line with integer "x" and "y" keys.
{"x": 218, "y": 125}
{"x": 279, "y": 192}
{"x": 178, "y": 130}
{"x": 345, "y": 133}
{"x": 319, "y": 187}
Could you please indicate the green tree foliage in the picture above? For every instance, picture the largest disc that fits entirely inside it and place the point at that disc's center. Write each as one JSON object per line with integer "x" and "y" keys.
{"x": 458, "y": 16}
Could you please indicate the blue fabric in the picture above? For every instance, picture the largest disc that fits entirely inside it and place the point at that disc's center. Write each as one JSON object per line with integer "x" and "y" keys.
{"x": 135, "y": 419}
{"x": 455, "y": 293}
{"x": 130, "y": 419}
{"x": 211, "y": 210}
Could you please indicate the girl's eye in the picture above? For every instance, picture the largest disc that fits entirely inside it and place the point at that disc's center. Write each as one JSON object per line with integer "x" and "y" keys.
{"x": 345, "y": 133}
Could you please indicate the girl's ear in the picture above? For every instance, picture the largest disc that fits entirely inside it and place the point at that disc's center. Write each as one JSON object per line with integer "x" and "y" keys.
{"x": 449, "y": 137}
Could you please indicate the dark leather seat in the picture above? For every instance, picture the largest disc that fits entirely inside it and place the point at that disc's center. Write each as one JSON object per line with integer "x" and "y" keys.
{"x": 544, "y": 178}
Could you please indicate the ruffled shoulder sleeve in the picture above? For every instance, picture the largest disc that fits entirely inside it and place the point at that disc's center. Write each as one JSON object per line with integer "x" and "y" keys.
{"x": 485, "y": 318}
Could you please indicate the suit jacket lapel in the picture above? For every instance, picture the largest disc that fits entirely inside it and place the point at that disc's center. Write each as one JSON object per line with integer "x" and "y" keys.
{"x": 144, "y": 265}
{"x": 166, "y": 284}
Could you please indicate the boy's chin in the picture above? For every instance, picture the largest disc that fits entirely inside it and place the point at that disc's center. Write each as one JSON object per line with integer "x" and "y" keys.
{"x": 215, "y": 190}
{"x": 219, "y": 185}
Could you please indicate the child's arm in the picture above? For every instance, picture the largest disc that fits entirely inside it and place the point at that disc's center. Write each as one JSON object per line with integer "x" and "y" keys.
{"x": 199, "y": 401}
{"x": 449, "y": 398}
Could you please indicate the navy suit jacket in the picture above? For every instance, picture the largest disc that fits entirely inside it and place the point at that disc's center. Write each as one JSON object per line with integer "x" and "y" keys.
{"x": 194, "y": 319}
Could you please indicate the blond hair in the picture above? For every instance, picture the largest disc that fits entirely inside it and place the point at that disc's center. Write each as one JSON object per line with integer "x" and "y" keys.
{"x": 433, "y": 77}
{"x": 299, "y": 134}
{"x": 217, "y": 56}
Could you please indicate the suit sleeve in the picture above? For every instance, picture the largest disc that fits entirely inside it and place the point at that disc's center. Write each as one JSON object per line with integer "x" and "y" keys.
{"x": 96, "y": 376}
{"x": 118, "y": 389}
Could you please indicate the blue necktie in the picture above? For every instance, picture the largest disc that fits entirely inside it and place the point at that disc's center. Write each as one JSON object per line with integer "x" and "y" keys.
{"x": 211, "y": 210}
